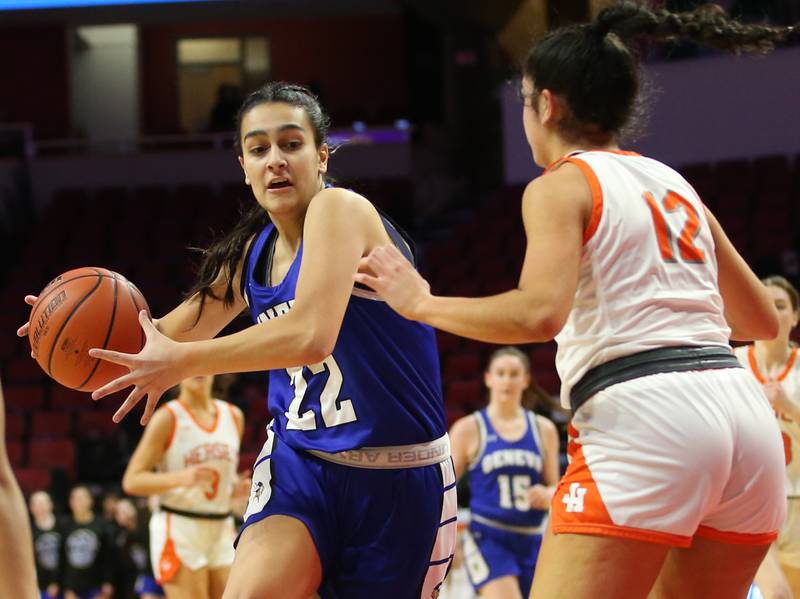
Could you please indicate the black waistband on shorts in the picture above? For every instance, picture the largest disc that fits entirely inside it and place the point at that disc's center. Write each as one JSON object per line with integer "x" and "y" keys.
{"x": 654, "y": 361}
{"x": 200, "y": 515}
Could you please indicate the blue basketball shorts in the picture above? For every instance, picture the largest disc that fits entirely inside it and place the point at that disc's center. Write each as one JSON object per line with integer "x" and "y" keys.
{"x": 147, "y": 585}
{"x": 491, "y": 553}
{"x": 379, "y": 533}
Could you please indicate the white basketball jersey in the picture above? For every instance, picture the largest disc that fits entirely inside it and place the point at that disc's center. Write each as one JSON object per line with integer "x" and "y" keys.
{"x": 648, "y": 273}
{"x": 216, "y": 447}
{"x": 789, "y": 377}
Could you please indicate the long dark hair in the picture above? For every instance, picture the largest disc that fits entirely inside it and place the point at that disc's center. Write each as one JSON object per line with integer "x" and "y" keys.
{"x": 225, "y": 253}
{"x": 593, "y": 67}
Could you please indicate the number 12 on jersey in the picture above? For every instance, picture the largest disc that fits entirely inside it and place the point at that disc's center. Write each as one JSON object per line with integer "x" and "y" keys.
{"x": 687, "y": 250}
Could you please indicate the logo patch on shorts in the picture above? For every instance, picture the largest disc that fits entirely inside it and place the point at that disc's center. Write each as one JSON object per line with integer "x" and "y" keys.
{"x": 258, "y": 489}
{"x": 574, "y": 499}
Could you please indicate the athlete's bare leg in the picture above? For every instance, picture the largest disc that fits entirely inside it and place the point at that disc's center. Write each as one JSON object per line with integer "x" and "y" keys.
{"x": 188, "y": 584}
{"x": 505, "y": 587}
{"x": 588, "y": 567}
{"x": 217, "y": 579}
{"x": 276, "y": 559}
{"x": 709, "y": 569}
{"x": 793, "y": 578}
{"x": 770, "y": 578}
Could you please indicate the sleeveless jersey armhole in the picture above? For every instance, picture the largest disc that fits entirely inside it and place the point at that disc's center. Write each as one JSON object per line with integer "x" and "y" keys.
{"x": 597, "y": 197}
{"x": 174, "y": 425}
{"x": 533, "y": 423}
{"x": 482, "y": 434}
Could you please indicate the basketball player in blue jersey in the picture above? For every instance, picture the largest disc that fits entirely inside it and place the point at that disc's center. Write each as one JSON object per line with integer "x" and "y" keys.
{"x": 354, "y": 491}
{"x": 511, "y": 458}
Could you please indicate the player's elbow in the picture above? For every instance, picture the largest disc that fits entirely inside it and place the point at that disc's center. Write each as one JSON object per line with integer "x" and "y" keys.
{"x": 767, "y": 326}
{"x": 317, "y": 346}
{"x": 129, "y": 486}
{"x": 540, "y": 325}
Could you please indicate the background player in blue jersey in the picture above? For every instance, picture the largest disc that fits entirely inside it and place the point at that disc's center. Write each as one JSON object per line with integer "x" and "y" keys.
{"x": 354, "y": 492}
{"x": 511, "y": 458}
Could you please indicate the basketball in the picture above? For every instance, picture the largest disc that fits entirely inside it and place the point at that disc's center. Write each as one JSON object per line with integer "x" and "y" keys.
{"x": 77, "y": 311}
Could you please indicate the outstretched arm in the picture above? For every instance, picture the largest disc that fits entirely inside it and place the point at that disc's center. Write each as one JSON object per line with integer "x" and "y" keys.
{"x": 555, "y": 208}
{"x": 340, "y": 227}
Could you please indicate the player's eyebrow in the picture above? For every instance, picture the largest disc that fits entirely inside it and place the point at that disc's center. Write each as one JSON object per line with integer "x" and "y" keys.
{"x": 281, "y": 129}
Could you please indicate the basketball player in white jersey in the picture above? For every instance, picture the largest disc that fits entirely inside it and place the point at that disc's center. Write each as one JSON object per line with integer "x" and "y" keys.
{"x": 675, "y": 486}
{"x": 188, "y": 456}
{"x": 775, "y": 365}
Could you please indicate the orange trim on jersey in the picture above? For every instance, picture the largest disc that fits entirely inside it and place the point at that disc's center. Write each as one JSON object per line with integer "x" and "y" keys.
{"x": 736, "y": 538}
{"x": 563, "y": 159}
{"x": 597, "y": 197}
{"x": 235, "y": 422}
{"x": 200, "y": 424}
{"x": 751, "y": 359}
{"x": 168, "y": 563}
{"x": 592, "y": 517}
{"x": 577, "y": 500}
{"x": 174, "y": 427}
{"x": 625, "y": 532}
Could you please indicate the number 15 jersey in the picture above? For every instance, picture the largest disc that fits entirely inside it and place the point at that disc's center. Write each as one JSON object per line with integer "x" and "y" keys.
{"x": 648, "y": 272}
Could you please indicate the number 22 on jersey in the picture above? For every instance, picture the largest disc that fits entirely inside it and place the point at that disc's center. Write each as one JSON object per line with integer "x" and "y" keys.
{"x": 687, "y": 250}
{"x": 334, "y": 411}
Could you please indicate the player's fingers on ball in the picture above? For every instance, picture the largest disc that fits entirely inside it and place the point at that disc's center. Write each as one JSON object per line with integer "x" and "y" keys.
{"x": 111, "y": 356}
{"x": 23, "y": 330}
{"x": 147, "y": 324}
{"x": 31, "y": 299}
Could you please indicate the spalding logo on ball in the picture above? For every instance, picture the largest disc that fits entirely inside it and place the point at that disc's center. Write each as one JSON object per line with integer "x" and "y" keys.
{"x": 81, "y": 309}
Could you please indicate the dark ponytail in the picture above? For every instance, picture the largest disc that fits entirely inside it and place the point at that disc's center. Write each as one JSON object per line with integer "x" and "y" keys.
{"x": 224, "y": 254}
{"x": 596, "y": 72}
{"x": 708, "y": 25}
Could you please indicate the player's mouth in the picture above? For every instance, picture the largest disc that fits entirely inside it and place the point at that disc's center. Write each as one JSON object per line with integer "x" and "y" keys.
{"x": 279, "y": 185}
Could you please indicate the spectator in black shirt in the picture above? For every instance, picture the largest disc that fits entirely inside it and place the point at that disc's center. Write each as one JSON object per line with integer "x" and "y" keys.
{"x": 47, "y": 538}
{"x": 86, "y": 551}
{"x": 132, "y": 577}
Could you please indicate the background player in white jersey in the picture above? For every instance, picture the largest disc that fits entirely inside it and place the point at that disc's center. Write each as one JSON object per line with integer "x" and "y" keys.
{"x": 629, "y": 270}
{"x": 188, "y": 456}
{"x": 775, "y": 365}
{"x": 509, "y": 497}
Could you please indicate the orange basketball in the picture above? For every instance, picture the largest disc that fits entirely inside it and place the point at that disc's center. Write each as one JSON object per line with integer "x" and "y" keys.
{"x": 81, "y": 309}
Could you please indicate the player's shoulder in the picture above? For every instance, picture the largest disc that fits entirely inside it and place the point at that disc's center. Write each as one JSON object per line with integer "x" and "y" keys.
{"x": 564, "y": 182}
{"x": 465, "y": 427}
{"x": 336, "y": 198}
{"x": 164, "y": 418}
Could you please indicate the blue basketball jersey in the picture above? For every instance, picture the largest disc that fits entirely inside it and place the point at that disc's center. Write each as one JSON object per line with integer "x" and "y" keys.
{"x": 380, "y": 386}
{"x": 501, "y": 473}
